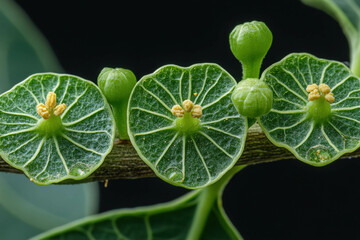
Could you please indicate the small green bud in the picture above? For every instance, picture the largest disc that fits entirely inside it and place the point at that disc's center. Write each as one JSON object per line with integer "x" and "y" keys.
{"x": 249, "y": 42}
{"x": 252, "y": 97}
{"x": 116, "y": 84}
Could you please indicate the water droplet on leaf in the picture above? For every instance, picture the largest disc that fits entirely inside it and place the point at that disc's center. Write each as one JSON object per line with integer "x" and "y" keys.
{"x": 174, "y": 174}
{"x": 318, "y": 153}
{"x": 79, "y": 169}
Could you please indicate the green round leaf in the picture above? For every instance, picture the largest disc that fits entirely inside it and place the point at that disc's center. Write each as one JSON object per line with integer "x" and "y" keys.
{"x": 320, "y": 141}
{"x": 194, "y": 159}
{"x": 171, "y": 220}
{"x": 75, "y": 150}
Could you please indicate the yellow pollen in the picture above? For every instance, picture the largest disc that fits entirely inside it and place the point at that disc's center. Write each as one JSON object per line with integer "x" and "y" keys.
{"x": 188, "y": 105}
{"x": 313, "y": 95}
{"x": 59, "y": 109}
{"x": 324, "y": 88}
{"x": 316, "y": 91}
{"x": 50, "y": 108}
{"x": 197, "y": 112}
{"x": 177, "y": 111}
{"x": 50, "y": 101}
{"x": 330, "y": 97}
{"x": 311, "y": 87}
{"x": 42, "y": 111}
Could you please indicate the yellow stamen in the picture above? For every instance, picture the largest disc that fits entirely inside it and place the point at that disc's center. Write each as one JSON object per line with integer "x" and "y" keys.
{"x": 59, "y": 109}
{"x": 50, "y": 101}
{"x": 177, "y": 111}
{"x": 197, "y": 112}
{"x": 330, "y": 97}
{"x": 42, "y": 111}
{"x": 315, "y": 92}
{"x": 324, "y": 88}
{"x": 311, "y": 87}
{"x": 188, "y": 105}
{"x": 50, "y": 108}
{"x": 313, "y": 95}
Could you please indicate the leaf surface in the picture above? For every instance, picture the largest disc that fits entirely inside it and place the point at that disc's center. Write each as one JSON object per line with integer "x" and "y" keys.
{"x": 164, "y": 221}
{"x": 198, "y": 159}
{"x": 287, "y": 125}
{"x": 27, "y": 209}
{"x": 75, "y": 151}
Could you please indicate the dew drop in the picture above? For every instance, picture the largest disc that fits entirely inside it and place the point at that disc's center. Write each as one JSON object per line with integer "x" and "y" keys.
{"x": 318, "y": 153}
{"x": 79, "y": 169}
{"x": 174, "y": 174}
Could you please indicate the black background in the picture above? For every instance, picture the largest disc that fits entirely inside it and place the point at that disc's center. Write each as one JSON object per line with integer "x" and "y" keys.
{"x": 280, "y": 200}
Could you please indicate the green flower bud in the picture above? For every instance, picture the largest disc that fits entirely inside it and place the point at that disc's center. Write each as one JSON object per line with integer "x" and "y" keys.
{"x": 116, "y": 84}
{"x": 249, "y": 42}
{"x": 252, "y": 97}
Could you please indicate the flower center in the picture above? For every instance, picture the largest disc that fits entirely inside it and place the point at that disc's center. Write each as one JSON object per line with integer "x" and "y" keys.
{"x": 188, "y": 116}
{"x": 320, "y": 97}
{"x": 50, "y": 123}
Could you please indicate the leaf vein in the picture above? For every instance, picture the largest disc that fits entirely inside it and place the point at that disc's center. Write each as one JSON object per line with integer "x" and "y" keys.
{"x": 216, "y": 145}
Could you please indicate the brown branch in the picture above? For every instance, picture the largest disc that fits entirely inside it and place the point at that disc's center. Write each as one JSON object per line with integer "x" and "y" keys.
{"x": 124, "y": 162}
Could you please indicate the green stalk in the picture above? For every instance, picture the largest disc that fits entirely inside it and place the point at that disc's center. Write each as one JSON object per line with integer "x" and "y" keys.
{"x": 355, "y": 61}
{"x": 251, "y": 69}
{"x": 120, "y": 115}
{"x": 208, "y": 197}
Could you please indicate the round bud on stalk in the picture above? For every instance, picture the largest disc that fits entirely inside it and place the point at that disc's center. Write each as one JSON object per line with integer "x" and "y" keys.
{"x": 252, "y": 97}
{"x": 116, "y": 84}
{"x": 249, "y": 42}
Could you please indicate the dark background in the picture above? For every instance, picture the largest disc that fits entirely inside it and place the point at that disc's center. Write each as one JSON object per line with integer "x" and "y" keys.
{"x": 280, "y": 200}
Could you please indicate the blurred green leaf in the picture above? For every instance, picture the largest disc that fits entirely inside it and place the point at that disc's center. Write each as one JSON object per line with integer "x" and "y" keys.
{"x": 347, "y": 14}
{"x": 171, "y": 220}
{"x": 23, "y": 50}
{"x": 25, "y": 208}
{"x": 39, "y": 208}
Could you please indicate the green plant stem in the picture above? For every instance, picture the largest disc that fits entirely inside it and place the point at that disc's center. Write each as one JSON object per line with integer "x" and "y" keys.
{"x": 120, "y": 111}
{"x": 251, "y": 69}
{"x": 208, "y": 197}
{"x": 355, "y": 61}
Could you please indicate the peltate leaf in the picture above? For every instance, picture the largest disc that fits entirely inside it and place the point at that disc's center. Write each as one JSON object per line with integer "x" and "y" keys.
{"x": 171, "y": 220}
{"x": 75, "y": 149}
{"x": 289, "y": 125}
{"x": 27, "y": 209}
{"x": 194, "y": 159}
